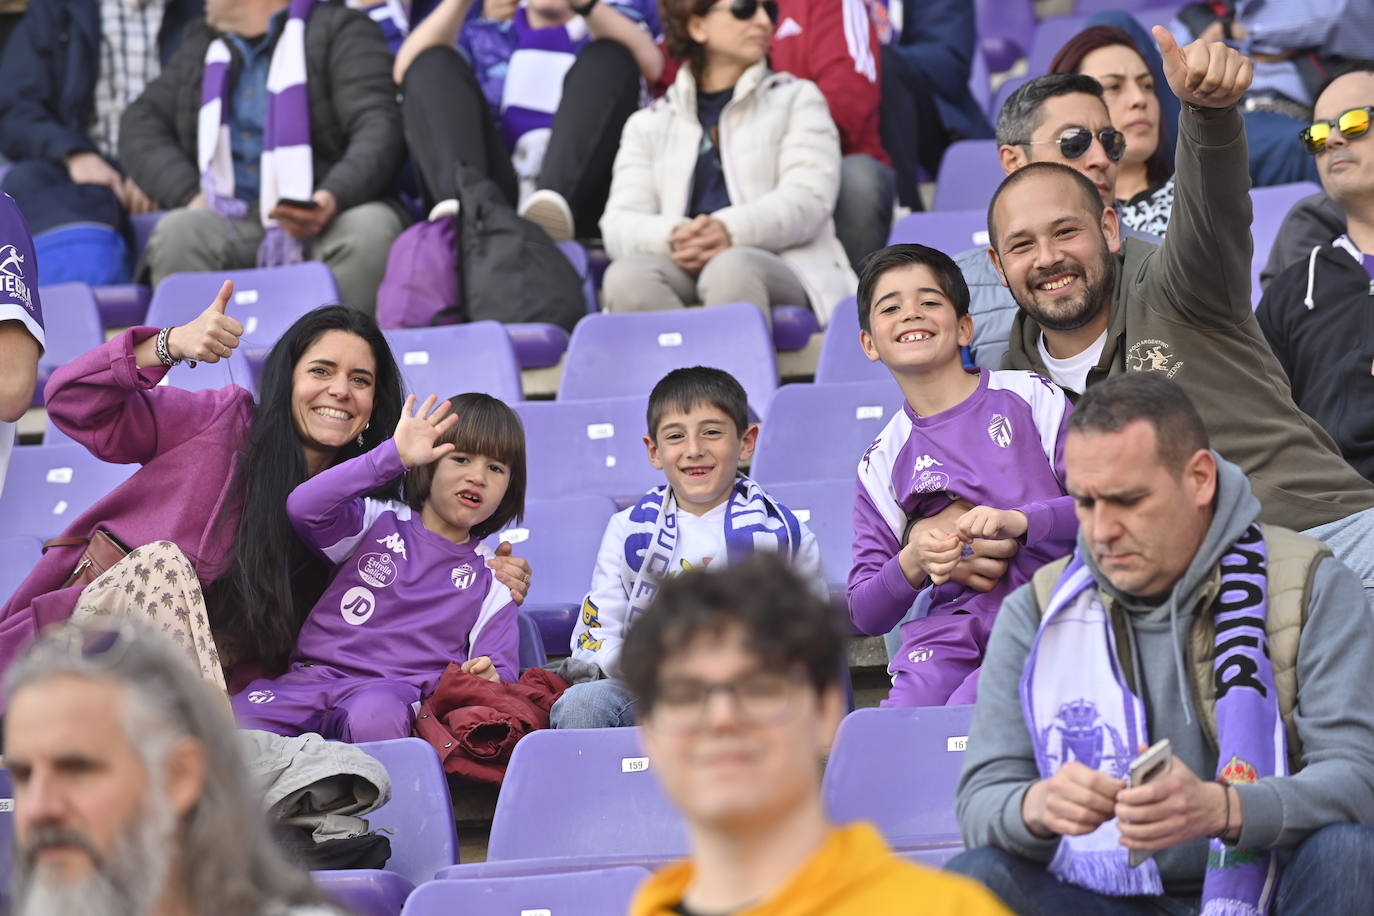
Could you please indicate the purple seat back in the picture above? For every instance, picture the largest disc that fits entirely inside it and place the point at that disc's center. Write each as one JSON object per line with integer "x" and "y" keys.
{"x": 1271, "y": 204}
{"x": 143, "y": 225}
{"x": 581, "y": 792}
{"x": 969, "y": 174}
{"x": 585, "y": 893}
{"x": 47, "y": 486}
{"x": 1150, "y": 16}
{"x": 532, "y": 653}
{"x": 950, "y": 231}
{"x": 623, "y": 354}
{"x": 877, "y": 750}
{"x": 365, "y": 891}
{"x": 593, "y": 447}
{"x": 1004, "y": 91}
{"x": 122, "y": 305}
{"x": 842, "y": 359}
{"x": 1004, "y": 30}
{"x": 793, "y": 326}
{"x": 577, "y": 257}
{"x": 266, "y": 301}
{"x": 457, "y": 358}
{"x": 560, "y": 539}
{"x": 852, "y": 414}
{"x": 420, "y": 811}
{"x": 1050, "y": 36}
{"x": 6, "y": 835}
{"x": 827, "y": 508}
{"x": 236, "y": 370}
{"x": 71, "y": 326}
{"x": 538, "y": 345}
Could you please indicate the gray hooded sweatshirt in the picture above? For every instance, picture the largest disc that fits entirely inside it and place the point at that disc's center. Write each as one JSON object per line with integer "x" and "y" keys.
{"x": 1334, "y": 717}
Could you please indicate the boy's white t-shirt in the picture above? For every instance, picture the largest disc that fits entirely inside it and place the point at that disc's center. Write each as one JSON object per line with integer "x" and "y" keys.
{"x": 1072, "y": 372}
{"x": 600, "y": 628}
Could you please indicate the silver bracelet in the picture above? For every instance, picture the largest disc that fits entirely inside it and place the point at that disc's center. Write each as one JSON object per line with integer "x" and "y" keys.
{"x": 164, "y": 354}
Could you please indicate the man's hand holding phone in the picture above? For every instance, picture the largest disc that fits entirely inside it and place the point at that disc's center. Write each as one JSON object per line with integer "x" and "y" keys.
{"x": 1168, "y": 805}
{"x": 304, "y": 220}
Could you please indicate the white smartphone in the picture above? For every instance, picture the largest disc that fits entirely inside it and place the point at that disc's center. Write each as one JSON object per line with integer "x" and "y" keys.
{"x": 1150, "y": 764}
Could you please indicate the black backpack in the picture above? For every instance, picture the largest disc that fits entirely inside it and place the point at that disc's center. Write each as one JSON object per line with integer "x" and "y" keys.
{"x": 509, "y": 269}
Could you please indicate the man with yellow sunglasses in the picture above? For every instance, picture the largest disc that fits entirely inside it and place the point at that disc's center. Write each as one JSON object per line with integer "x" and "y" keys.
{"x": 1316, "y": 313}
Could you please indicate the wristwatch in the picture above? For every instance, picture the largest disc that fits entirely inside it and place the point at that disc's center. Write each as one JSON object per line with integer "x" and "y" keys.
{"x": 584, "y": 9}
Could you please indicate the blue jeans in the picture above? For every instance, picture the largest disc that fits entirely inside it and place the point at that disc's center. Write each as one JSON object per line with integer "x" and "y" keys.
{"x": 594, "y": 704}
{"x": 1277, "y": 155}
{"x": 1351, "y": 539}
{"x": 863, "y": 210}
{"x": 1330, "y": 873}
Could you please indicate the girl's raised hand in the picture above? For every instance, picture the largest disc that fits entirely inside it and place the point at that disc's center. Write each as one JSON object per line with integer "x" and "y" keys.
{"x": 418, "y": 428}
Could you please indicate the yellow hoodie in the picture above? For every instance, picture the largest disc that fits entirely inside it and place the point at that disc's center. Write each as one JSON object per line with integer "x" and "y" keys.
{"x": 853, "y": 874}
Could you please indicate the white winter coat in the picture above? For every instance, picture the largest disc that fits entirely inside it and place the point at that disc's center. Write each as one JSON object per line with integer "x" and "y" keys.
{"x": 780, "y": 153}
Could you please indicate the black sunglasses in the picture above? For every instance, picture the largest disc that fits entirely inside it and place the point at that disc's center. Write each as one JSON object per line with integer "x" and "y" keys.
{"x": 744, "y": 10}
{"x": 1074, "y": 142}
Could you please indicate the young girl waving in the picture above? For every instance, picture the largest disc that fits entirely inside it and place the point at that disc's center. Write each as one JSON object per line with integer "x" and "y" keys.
{"x": 411, "y": 591}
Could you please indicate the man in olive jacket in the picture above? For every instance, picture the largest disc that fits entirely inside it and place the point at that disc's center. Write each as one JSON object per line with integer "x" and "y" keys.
{"x": 355, "y": 137}
{"x": 1093, "y": 305}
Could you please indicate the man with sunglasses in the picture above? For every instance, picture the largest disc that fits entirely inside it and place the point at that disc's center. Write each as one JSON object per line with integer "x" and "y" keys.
{"x": 1092, "y": 306}
{"x": 1315, "y": 313}
{"x": 1060, "y": 117}
{"x": 735, "y": 673}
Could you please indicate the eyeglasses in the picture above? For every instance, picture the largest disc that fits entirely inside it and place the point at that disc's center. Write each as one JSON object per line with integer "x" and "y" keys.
{"x": 1353, "y": 123}
{"x": 744, "y": 10}
{"x": 1075, "y": 141}
{"x": 761, "y": 698}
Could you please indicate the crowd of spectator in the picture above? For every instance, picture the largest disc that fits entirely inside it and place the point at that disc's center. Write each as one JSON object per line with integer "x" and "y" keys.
{"x": 1119, "y": 507}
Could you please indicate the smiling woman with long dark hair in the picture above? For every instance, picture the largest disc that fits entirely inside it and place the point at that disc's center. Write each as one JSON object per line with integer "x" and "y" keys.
{"x": 216, "y": 471}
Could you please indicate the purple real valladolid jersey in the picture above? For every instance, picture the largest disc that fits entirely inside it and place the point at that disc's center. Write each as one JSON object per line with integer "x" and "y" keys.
{"x": 18, "y": 271}
{"x": 1001, "y": 447}
{"x": 404, "y": 601}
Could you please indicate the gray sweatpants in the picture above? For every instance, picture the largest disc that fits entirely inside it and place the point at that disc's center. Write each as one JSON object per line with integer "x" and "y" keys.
{"x": 650, "y": 282}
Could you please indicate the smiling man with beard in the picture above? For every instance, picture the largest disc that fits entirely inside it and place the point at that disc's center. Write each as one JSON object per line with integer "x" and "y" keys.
{"x": 131, "y": 798}
{"x": 1092, "y": 306}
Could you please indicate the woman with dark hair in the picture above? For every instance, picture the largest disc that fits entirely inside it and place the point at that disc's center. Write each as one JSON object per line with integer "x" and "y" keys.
{"x": 209, "y": 501}
{"x": 723, "y": 190}
{"x": 1144, "y": 181}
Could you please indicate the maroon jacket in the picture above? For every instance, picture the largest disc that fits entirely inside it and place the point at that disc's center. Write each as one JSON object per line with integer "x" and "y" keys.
{"x": 474, "y": 723}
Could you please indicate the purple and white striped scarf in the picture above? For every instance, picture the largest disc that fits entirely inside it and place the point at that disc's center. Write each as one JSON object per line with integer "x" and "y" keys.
{"x": 286, "y": 167}
{"x": 753, "y": 521}
{"x": 1078, "y": 706}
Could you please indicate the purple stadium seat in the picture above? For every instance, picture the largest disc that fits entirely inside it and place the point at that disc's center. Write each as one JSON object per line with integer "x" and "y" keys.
{"x": 456, "y": 358}
{"x": 236, "y": 370}
{"x": 587, "y": 893}
{"x": 1004, "y": 30}
{"x": 577, "y": 256}
{"x": 921, "y": 749}
{"x": 1271, "y": 204}
{"x": 593, "y": 447}
{"x": 969, "y": 174}
{"x": 978, "y": 82}
{"x": 6, "y": 836}
{"x": 266, "y": 301}
{"x": 20, "y": 553}
{"x": 560, "y": 539}
{"x": 827, "y": 508}
{"x": 366, "y": 892}
{"x": 587, "y": 794}
{"x": 122, "y": 305}
{"x": 420, "y": 811}
{"x": 1050, "y": 36}
{"x": 950, "y": 231}
{"x": 71, "y": 326}
{"x": 143, "y": 225}
{"x": 537, "y": 345}
{"x": 793, "y": 326}
{"x": 532, "y": 654}
{"x": 852, "y": 414}
{"x": 1150, "y": 16}
{"x": 47, "y": 486}
{"x": 1092, "y": 7}
{"x": 624, "y": 354}
{"x": 842, "y": 359}
{"x": 1004, "y": 91}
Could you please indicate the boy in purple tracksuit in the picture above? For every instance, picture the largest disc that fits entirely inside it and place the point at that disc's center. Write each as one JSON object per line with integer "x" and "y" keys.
{"x": 989, "y": 444}
{"x": 412, "y": 591}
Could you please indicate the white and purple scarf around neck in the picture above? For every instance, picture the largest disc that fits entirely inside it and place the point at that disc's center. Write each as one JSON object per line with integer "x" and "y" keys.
{"x": 286, "y": 168}
{"x": 1078, "y": 706}
{"x": 753, "y": 521}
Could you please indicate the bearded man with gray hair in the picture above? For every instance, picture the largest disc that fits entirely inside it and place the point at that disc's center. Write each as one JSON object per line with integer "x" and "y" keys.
{"x": 131, "y": 797}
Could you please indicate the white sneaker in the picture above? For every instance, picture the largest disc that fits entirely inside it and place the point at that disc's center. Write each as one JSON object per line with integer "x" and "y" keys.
{"x": 444, "y": 208}
{"x": 550, "y": 212}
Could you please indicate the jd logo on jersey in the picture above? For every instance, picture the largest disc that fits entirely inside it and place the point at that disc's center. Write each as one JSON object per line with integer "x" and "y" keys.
{"x": 357, "y": 605}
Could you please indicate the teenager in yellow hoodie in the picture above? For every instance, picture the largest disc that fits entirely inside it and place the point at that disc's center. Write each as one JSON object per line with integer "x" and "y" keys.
{"x": 735, "y": 672}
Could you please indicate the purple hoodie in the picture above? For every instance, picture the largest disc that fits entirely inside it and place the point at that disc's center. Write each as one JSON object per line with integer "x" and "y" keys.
{"x": 188, "y": 444}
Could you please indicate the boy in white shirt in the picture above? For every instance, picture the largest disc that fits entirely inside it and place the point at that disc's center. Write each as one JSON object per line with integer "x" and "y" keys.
{"x": 707, "y": 513}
